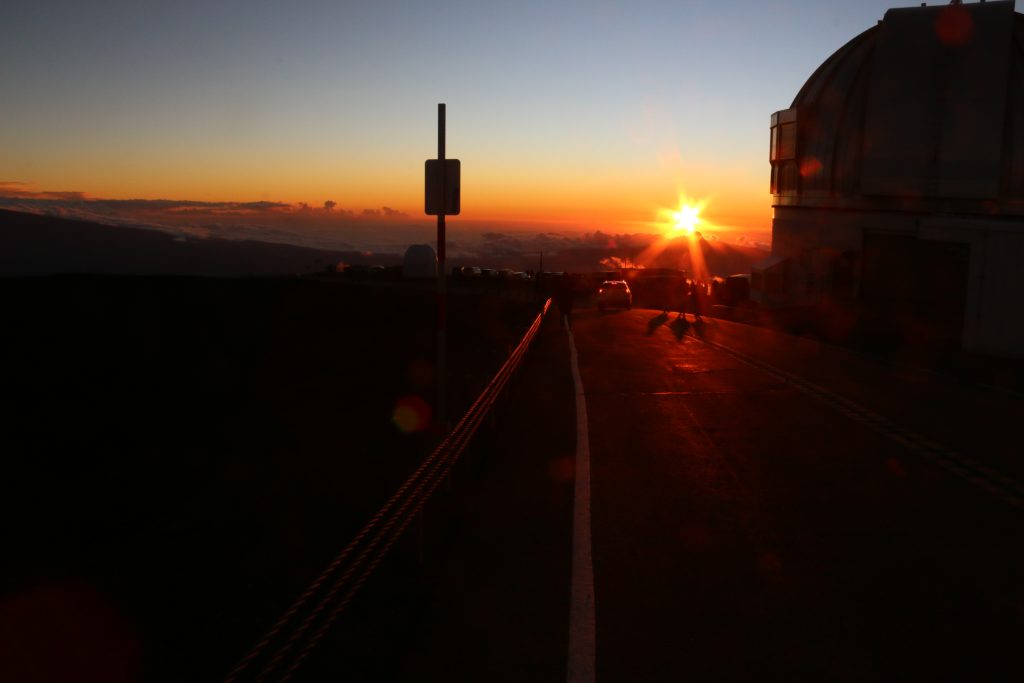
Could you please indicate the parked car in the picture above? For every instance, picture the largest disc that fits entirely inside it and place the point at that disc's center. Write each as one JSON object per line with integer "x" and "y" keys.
{"x": 614, "y": 293}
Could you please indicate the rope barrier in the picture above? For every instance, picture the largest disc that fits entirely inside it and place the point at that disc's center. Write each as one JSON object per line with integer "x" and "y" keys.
{"x": 320, "y": 602}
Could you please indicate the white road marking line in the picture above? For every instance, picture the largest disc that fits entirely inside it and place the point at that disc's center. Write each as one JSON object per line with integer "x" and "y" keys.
{"x": 1004, "y": 488}
{"x": 582, "y": 624}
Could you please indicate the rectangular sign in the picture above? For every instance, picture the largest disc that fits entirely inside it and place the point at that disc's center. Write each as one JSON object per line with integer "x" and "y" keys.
{"x": 435, "y": 203}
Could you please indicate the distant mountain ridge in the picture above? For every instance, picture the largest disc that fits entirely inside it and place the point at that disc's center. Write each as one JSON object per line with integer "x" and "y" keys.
{"x": 31, "y": 244}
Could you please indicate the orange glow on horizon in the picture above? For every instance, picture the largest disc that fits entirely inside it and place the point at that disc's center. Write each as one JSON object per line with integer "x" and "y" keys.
{"x": 611, "y": 204}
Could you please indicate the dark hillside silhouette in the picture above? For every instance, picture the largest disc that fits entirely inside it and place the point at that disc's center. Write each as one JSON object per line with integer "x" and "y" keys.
{"x": 45, "y": 245}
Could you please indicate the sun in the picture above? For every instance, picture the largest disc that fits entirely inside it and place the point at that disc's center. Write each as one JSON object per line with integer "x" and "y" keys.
{"x": 682, "y": 220}
{"x": 686, "y": 218}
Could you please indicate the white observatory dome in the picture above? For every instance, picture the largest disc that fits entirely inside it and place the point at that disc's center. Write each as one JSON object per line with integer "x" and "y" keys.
{"x": 420, "y": 261}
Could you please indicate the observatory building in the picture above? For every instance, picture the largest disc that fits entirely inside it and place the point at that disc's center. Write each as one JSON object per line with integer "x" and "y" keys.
{"x": 897, "y": 177}
{"x": 419, "y": 261}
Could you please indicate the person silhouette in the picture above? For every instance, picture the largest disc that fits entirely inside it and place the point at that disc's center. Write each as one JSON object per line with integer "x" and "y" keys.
{"x": 682, "y": 291}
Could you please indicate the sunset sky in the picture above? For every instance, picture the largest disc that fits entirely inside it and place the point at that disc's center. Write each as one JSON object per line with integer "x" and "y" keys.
{"x": 578, "y": 115}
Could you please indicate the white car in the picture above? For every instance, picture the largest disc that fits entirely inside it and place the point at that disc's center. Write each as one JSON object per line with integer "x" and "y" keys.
{"x": 614, "y": 293}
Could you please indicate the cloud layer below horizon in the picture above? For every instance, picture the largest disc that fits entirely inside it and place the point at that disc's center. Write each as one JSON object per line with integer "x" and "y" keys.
{"x": 379, "y": 230}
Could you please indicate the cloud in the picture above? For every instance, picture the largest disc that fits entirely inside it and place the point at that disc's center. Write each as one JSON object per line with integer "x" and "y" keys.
{"x": 383, "y": 212}
{"x": 22, "y": 190}
{"x": 616, "y": 263}
{"x": 595, "y": 251}
{"x": 144, "y": 211}
{"x": 325, "y": 227}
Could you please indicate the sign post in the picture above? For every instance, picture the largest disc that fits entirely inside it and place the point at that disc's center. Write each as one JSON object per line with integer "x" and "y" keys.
{"x": 442, "y": 198}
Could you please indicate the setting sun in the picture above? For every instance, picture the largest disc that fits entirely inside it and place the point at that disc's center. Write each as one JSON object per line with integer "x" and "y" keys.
{"x": 683, "y": 220}
{"x": 686, "y": 218}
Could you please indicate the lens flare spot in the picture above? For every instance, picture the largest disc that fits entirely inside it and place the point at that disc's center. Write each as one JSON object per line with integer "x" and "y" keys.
{"x": 954, "y": 26}
{"x": 809, "y": 167}
{"x": 412, "y": 414}
{"x": 103, "y": 640}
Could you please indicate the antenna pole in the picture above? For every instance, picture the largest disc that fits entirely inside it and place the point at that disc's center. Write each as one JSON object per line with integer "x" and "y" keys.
{"x": 442, "y": 294}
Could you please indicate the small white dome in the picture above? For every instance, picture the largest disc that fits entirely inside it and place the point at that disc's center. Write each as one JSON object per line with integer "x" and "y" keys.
{"x": 420, "y": 261}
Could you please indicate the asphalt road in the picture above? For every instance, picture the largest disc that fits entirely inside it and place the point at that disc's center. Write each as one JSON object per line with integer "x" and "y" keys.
{"x": 763, "y": 507}
{"x": 772, "y": 508}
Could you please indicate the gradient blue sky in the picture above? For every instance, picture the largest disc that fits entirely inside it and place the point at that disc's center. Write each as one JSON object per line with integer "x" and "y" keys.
{"x": 589, "y": 114}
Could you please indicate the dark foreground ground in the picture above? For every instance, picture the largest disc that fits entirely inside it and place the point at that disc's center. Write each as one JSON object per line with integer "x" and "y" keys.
{"x": 773, "y": 508}
{"x": 763, "y": 507}
{"x": 182, "y": 456}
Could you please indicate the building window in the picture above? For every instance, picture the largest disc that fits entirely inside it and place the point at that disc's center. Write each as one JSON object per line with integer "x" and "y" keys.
{"x": 783, "y": 140}
{"x": 787, "y": 141}
{"x": 782, "y": 152}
